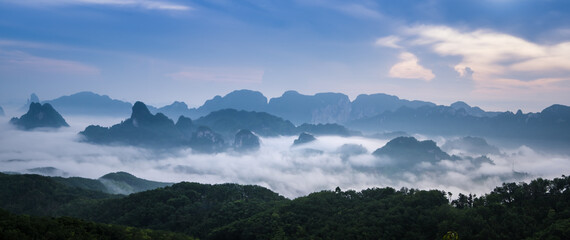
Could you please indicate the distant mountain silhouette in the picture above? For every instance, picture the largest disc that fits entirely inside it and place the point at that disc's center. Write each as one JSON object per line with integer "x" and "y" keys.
{"x": 370, "y": 105}
{"x": 2, "y": 111}
{"x": 40, "y": 116}
{"x": 319, "y": 108}
{"x": 408, "y": 151}
{"x": 240, "y": 100}
{"x": 246, "y": 141}
{"x": 89, "y": 103}
{"x": 141, "y": 129}
{"x": 175, "y": 110}
{"x": 304, "y": 138}
{"x": 552, "y": 124}
{"x": 473, "y": 111}
{"x": 229, "y": 121}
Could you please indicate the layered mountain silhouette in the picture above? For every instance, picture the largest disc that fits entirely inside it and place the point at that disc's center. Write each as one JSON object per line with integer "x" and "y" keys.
{"x": 370, "y": 105}
{"x": 230, "y": 121}
{"x": 240, "y": 100}
{"x": 299, "y": 108}
{"x": 317, "y": 114}
{"x": 2, "y": 111}
{"x": 175, "y": 110}
{"x": 553, "y": 123}
{"x": 89, "y": 103}
{"x": 319, "y": 108}
{"x": 40, "y": 116}
{"x": 473, "y": 111}
{"x": 141, "y": 129}
{"x": 156, "y": 131}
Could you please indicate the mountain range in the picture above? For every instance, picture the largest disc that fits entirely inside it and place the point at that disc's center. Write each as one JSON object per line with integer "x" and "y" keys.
{"x": 293, "y": 106}
{"x": 321, "y": 113}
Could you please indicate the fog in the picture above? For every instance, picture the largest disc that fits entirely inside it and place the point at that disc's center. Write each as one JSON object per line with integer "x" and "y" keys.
{"x": 324, "y": 164}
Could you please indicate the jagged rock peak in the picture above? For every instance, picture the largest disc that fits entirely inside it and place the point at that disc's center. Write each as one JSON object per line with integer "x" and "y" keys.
{"x": 140, "y": 110}
{"x": 40, "y": 115}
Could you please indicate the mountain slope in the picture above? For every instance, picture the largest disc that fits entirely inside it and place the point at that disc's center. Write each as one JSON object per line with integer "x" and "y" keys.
{"x": 125, "y": 183}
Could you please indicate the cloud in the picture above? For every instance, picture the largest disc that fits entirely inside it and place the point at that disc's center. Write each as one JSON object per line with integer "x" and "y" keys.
{"x": 358, "y": 10}
{"x": 19, "y": 61}
{"x": 497, "y": 60}
{"x": 410, "y": 68}
{"x": 144, "y": 4}
{"x": 288, "y": 171}
{"x": 219, "y": 75}
{"x": 389, "y": 41}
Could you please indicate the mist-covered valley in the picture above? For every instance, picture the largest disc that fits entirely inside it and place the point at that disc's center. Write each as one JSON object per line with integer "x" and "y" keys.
{"x": 291, "y": 170}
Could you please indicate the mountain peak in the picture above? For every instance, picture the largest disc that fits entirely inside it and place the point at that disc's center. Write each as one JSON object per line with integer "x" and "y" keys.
{"x": 140, "y": 110}
{"x": 40, "y": 115}
{"x": 408, "y": 150}
{"x": 460, "y": 105}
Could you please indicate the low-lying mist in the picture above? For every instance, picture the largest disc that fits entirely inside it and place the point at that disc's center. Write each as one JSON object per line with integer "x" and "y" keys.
{"x": 346, "y": 162}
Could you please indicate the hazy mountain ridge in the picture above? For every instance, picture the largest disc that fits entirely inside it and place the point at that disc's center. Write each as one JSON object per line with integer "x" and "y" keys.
{"x": 141, "y": 129}
{"x": 552, "y": 124}
{"x": 230, "y": 121}
{"x": 89, "y": 103}
{"x": 293, "y": 106}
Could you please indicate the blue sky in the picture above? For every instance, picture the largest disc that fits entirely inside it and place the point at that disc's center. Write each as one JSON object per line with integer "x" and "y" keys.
{"x": 496, "y": 54}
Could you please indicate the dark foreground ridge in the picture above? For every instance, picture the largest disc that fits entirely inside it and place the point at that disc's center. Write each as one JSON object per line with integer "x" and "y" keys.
{"x": 536, "y": 210}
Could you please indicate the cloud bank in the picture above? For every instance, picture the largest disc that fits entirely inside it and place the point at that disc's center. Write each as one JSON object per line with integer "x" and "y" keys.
{"x": 291, "y": 171}
{"x": 496, "y": 62}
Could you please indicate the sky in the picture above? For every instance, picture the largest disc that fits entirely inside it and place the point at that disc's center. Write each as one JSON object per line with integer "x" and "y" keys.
{"x": 496, "y": 54}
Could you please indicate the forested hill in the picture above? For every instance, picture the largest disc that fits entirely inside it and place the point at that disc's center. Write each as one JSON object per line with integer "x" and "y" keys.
{"x": 536, "y": 210}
